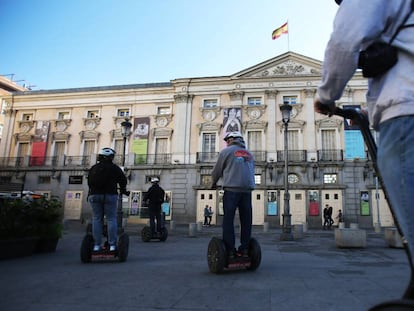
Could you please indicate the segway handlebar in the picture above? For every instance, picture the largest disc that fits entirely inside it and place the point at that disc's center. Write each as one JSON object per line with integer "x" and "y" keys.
{"x": 360, "y": 119}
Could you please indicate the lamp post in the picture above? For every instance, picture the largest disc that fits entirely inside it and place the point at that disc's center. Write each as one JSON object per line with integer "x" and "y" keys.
{"x": 287, "y": 226}
{"x": 125, "y": 131}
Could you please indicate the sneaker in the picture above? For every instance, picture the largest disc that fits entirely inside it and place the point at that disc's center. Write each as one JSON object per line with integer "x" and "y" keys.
{"x": 96, "y": 248}
{"x": 112, "y": 248}
{"x": 243, "y": 252}
{"x": 232, "y": 254}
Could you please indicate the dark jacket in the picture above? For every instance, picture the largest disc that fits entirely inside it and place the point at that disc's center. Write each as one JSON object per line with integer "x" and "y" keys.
{"x": 113, "y": 175}
{"x": 155, "y": 196}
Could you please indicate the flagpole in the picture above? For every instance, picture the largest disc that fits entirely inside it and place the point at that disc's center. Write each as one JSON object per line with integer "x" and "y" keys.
{"x": 287, "y": 22}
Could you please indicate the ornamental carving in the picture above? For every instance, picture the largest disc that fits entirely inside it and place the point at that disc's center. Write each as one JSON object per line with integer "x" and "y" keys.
{"x": 91, "y": 123}
{"x": 162, "y": 120}
{"x": 255, "y": 112}
{"x": 328, "y": 123}
{"x": 288, "y": 68}
{"x": 26, "y": 126}
{"x": 209, "y": 127}
{"x": 62, "y": 124}
{"x": 210, "y": 114}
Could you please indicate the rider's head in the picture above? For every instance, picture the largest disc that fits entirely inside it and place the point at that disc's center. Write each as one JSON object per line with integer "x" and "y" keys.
{"x": 231, "y": 136}
{"x": 106, "y": 154}
{"x": 155, "y": 180}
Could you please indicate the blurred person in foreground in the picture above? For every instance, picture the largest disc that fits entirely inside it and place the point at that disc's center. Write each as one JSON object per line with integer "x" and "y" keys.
{"x": 390, "y": 98}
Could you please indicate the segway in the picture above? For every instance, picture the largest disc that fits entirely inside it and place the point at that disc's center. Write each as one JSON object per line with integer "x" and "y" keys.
{"x": 362, "y": 122}
{"x": 146, "y": 234}
{"x": 87, "y": 253}
{"x": 218, "y": 258}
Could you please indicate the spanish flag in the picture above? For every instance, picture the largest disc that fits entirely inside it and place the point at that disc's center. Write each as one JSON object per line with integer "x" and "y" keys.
{"x": 280, "y": 31}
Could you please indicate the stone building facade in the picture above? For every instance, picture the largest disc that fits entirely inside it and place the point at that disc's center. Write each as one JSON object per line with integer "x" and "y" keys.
{"x": 52, "y": 137}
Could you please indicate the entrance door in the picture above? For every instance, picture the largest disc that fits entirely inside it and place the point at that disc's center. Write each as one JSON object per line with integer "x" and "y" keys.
{"x": 206, "y": 197}
{"x": 297, "y": 204}
{"x": 386, "y": 219}
{"x": 332, "y": 198}
{"x": 258, "y": 199}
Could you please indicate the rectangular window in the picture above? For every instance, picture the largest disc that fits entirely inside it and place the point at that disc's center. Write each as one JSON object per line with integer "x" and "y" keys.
{"x": 210, "y": 103}
{"x": 89, "y": 147}
{"x": 59, "y": 148}
{"x": 27, "y": 116}
{"x": 257, "y": 179}
{"x": 23, "y": 149}
{"x": 43, "y": 180}
{"x": 209, "y": 142}
{"x": 123, "y": 112}
{"x": 161, "y": 150}
{"x": 291, "y": 100}
{"x": 92, "y": 114}
{"x": 254, "y": 140}
{"x": 205, "y": 180}
{"x": 254, "y": 101}
{"x": 330, "y": 178}
{"x": 64, "y": 115}
{"x": 163, "y": 110}
{"x": 3, "y": 107}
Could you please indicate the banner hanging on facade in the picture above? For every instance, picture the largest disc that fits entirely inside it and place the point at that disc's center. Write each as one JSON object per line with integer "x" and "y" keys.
{"x": 39, "y": 146}
{"x": 140, "y": 139}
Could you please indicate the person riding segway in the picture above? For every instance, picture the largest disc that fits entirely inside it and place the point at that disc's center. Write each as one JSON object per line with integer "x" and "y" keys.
{"x": 155, "y": 197}
{"x": 235, "y": 166}
{"x": 103, "y": 180}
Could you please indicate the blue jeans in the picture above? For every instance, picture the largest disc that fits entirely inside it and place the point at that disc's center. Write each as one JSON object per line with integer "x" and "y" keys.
{"x": 232, "y": 201}
{"x": 104, "y": 204}
{"x": 396, "y": 165}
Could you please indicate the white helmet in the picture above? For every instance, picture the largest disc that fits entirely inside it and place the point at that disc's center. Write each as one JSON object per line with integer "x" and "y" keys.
{"x": 232, "y": 135}
{"x": 107, "y": 152}
{"x": 155, "y": 179}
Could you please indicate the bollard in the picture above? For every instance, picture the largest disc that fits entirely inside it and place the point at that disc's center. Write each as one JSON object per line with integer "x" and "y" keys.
{"x": 172, "y": 225}
{"x": 265, "y": 227}
{"x": 297, "y": 231}
{"x": 192, "y": 230}
{"x": 305, "y": 227}
{"x": 353, "y": 226}
{"x": 199, "y": 226}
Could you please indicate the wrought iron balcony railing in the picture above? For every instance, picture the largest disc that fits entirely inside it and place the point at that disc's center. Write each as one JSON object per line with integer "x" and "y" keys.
{"x": 293, "y": 155}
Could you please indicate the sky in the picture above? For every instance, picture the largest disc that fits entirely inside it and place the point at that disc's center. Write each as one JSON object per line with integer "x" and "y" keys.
{"x": 58, "y": 44}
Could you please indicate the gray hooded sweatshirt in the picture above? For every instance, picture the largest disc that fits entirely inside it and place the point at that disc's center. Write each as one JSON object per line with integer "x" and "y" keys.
{"x": 235, "y": 165}
{"x": 357, "y": 24}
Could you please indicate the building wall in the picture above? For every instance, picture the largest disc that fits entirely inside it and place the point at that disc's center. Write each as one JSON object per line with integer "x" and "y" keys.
{"x": 183, "y": 173}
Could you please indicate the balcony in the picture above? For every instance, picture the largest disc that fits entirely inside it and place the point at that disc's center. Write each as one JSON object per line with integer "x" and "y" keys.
{"x": 330, "y": 155}
{"x": 43, "y": 161}
{"x": 259, "y": 156}
{"x": 207, "y": 157}
{"x": 11, "y": 162}
{"x": 164, "y": 158}
{"x": 77, "y": 161}
{"x": 293, "y": 156}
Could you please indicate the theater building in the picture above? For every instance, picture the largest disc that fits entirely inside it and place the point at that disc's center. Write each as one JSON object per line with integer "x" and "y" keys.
{"x": 52, "y": 137}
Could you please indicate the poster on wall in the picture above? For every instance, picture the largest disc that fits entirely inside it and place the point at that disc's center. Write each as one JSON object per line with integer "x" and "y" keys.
{"x": 313, "y": 203}
{"x": 38, "y": 154}
{"x": 232, "y": 120}
{"x": 364, "y": 203}
{"x": 135, "y": 202}
{"x": 272, "y": 203}
{"x": 140, "y": 139}
{"x": 354, "y": 142}
{"x": 73, "y": 204}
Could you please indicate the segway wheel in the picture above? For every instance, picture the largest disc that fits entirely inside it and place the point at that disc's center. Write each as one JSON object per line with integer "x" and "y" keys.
{"x": 86, "y": 248}
{"x": 216, "y": 255}
{"x": 146, "y": 234}
{"x": 394, "y": 305}
{"x": 123, "y": 247}
{"x": 255, "y": 254}
{"x": 164, "y": 234}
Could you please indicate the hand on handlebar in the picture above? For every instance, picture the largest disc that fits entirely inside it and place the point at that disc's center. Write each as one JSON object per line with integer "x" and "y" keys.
{"x": 326, "y": 109}
{"x": 125, "y": 192}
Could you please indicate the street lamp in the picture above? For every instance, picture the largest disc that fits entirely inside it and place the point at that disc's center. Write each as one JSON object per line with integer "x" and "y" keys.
{"x": 125, "y": 131}
{"x": 287, "y": 226}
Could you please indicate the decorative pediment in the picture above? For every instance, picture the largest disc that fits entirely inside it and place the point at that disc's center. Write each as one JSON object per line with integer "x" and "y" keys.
{"x": 89, "y": 135}
{"x": 288, "y": 64}
{"x": 293, "y": 124}
{"x": 61, "y": 136}
{"x": 328, "y": 123}
{"x": 162, "y": 132}
{"x": 23, "y": 137}
{"x": 209, "y": 127}
{"x": 255, "y": 125}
